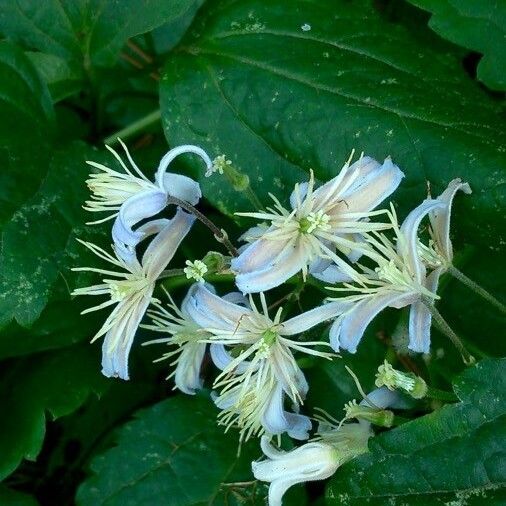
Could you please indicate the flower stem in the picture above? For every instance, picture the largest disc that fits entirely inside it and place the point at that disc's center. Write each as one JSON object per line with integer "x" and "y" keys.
{"x": 219, "y": 234}
{"x": 134, "y": 128}
{"x": 475, "y": 287}
{"x": 448, "y": 331}
{"x": 441, "y": 395}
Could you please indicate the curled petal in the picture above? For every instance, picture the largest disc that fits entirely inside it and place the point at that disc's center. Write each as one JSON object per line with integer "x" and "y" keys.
{"x": 182, "y": 188}
{"x": 440, "y": 218}
{"x": 187, "y": 377}
{"x": 222, "y": 359}
{"x": 352, "y": 326}
{"x": 293, "y": 259}
{"x": 420, "y": 318}
{"x": 384, "y": 398}
{"x": 178, "y": 187}
{"x": 137, "y": 208}
{"x": 163, "y": 247}
{"x": 407, "y": 245}
{"x": 297, "y": 196}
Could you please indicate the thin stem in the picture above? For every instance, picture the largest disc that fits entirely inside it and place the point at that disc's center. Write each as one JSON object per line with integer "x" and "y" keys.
{"x": 219, "y": 234}
{"x": 475, "y": 287}
{"x": 134, "y": 128}
{"x": 441, "y": 395}
{"x": 447, "y": 330}
{"x": 172, "y": 282}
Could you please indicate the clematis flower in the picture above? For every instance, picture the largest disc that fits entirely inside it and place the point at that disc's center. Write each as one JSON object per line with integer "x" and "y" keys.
{"x": 255, "y": 354}
{"x": 320, "y": 221}
{"x": 317, "y": 460}
{"x": 399, "y": 280}
{"x": 188, "y": 338}
{"x": 130, "y": 288}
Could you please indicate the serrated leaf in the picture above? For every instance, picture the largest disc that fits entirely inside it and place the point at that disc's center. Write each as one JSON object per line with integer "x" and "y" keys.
{"x": 476, "y": 25}
{"x": 284, "y": 87}
{"x": 56, "y": 383}
{"x": 172, "y": 451}
{"x": 453, "y": 454}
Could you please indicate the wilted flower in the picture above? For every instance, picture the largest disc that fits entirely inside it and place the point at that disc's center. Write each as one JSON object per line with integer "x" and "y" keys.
{"x": 186, "y": 336}
{"x": 255, "y": 354}
{"x": 399, "y": 280}
{"x": 131, "y": 288}
{"x": 319, "y": 222}
{"x": 393, "y": 379}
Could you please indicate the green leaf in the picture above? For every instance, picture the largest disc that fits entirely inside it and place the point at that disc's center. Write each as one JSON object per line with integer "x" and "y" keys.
{"x": 84, "y": 32}
{"x": 175, "y": 452}
{"x": 48, "y": 222}
{"x": 453, "y": 454}
{"x": 56, "y": 383}
{"x": 249, "y": 82}
{"x": 476, "y": 25}
{"x": 9, "y": 497}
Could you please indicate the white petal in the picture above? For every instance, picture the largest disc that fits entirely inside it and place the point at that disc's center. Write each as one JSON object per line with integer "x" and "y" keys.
{"x": 258, "y": 255}
{"x": 222, "y": 358}
{"x": 210, "y": 311}
{"x": 182, "y": 188}
{"x": 354, "y": 323}
{"x": 407, "y": 246}
{"x": 290, "y": 262}
{"x": 254, "y": 233}
{"x": 163, "y": 247}
{"x": 171, "y": 155}
{"x": 187, "y": 377}
{"x": 119, "y": 339}
{"x": 313, "y": 317}
{"x": 420, "y": 318}
{"x": 332, "y": 275}
{"x": 302, "y": 195}
{"x": 440, "y": 218}
{"x": 384, "y": 398}
{"x": 372, "y": 187}
{"x": 137, "y": 208}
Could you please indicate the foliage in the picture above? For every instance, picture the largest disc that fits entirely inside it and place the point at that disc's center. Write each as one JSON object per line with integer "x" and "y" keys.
{"x": 280, "y": 88}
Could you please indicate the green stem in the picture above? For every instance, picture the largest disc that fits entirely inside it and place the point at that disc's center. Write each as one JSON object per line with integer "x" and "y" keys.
{"x": 475, "y": 287}
{"x": 176, "y": 281}
{"x": 448, "y": 331}
{"x": 441, "y": 395}
{"x": 134, "y": 128}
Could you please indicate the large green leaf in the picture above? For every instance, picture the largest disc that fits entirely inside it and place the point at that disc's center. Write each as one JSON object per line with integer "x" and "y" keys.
{"x": 9, "y": 497}
{"x": 287, "y": 86}
{"x": 56, "y": 383}
{"x": 172, "y": 453}
{"x": 85, "y": 32}
{"x": 48, "y": 223}
{"x": 454, "y": 454}
{"x": 476, "y": 25}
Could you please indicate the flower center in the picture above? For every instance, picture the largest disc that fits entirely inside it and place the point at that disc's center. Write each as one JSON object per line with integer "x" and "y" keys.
{"x": 314, "y": 221}
{"x": 390, "y": 273}
{"x": 121, "y": 289}
{"x": 268, "y": 339}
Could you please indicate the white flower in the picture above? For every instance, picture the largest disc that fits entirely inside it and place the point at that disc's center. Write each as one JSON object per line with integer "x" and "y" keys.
{"x": 186, "y": 335}
{"x": 195, "y": 270}
{"x": 399, "y": 280}
{"x": 130, "y": 288}
{"x": 319, "y": 222}
{"x": 219, "y": 165}
{"x": 255, "y": 354}
{"x": 131, "y": 197}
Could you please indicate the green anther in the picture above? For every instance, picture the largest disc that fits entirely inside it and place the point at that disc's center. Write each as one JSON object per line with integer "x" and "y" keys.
{"x": 304, "y": 225}
{"x": 269, "y": 337}
{"x": 379, "y": 417}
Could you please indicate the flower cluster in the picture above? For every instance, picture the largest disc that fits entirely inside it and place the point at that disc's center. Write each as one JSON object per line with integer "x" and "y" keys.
{"x": 360, "y": 255}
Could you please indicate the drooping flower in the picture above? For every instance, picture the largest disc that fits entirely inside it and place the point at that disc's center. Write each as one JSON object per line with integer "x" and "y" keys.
{"x": 319, "y": 222}
{"x": 399, "y": 280}
{"x": 187, "y": 338}
{"x": 255, "y": 354}
{"x": 130, "y": 288}
{"x": 317, "y": 460}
